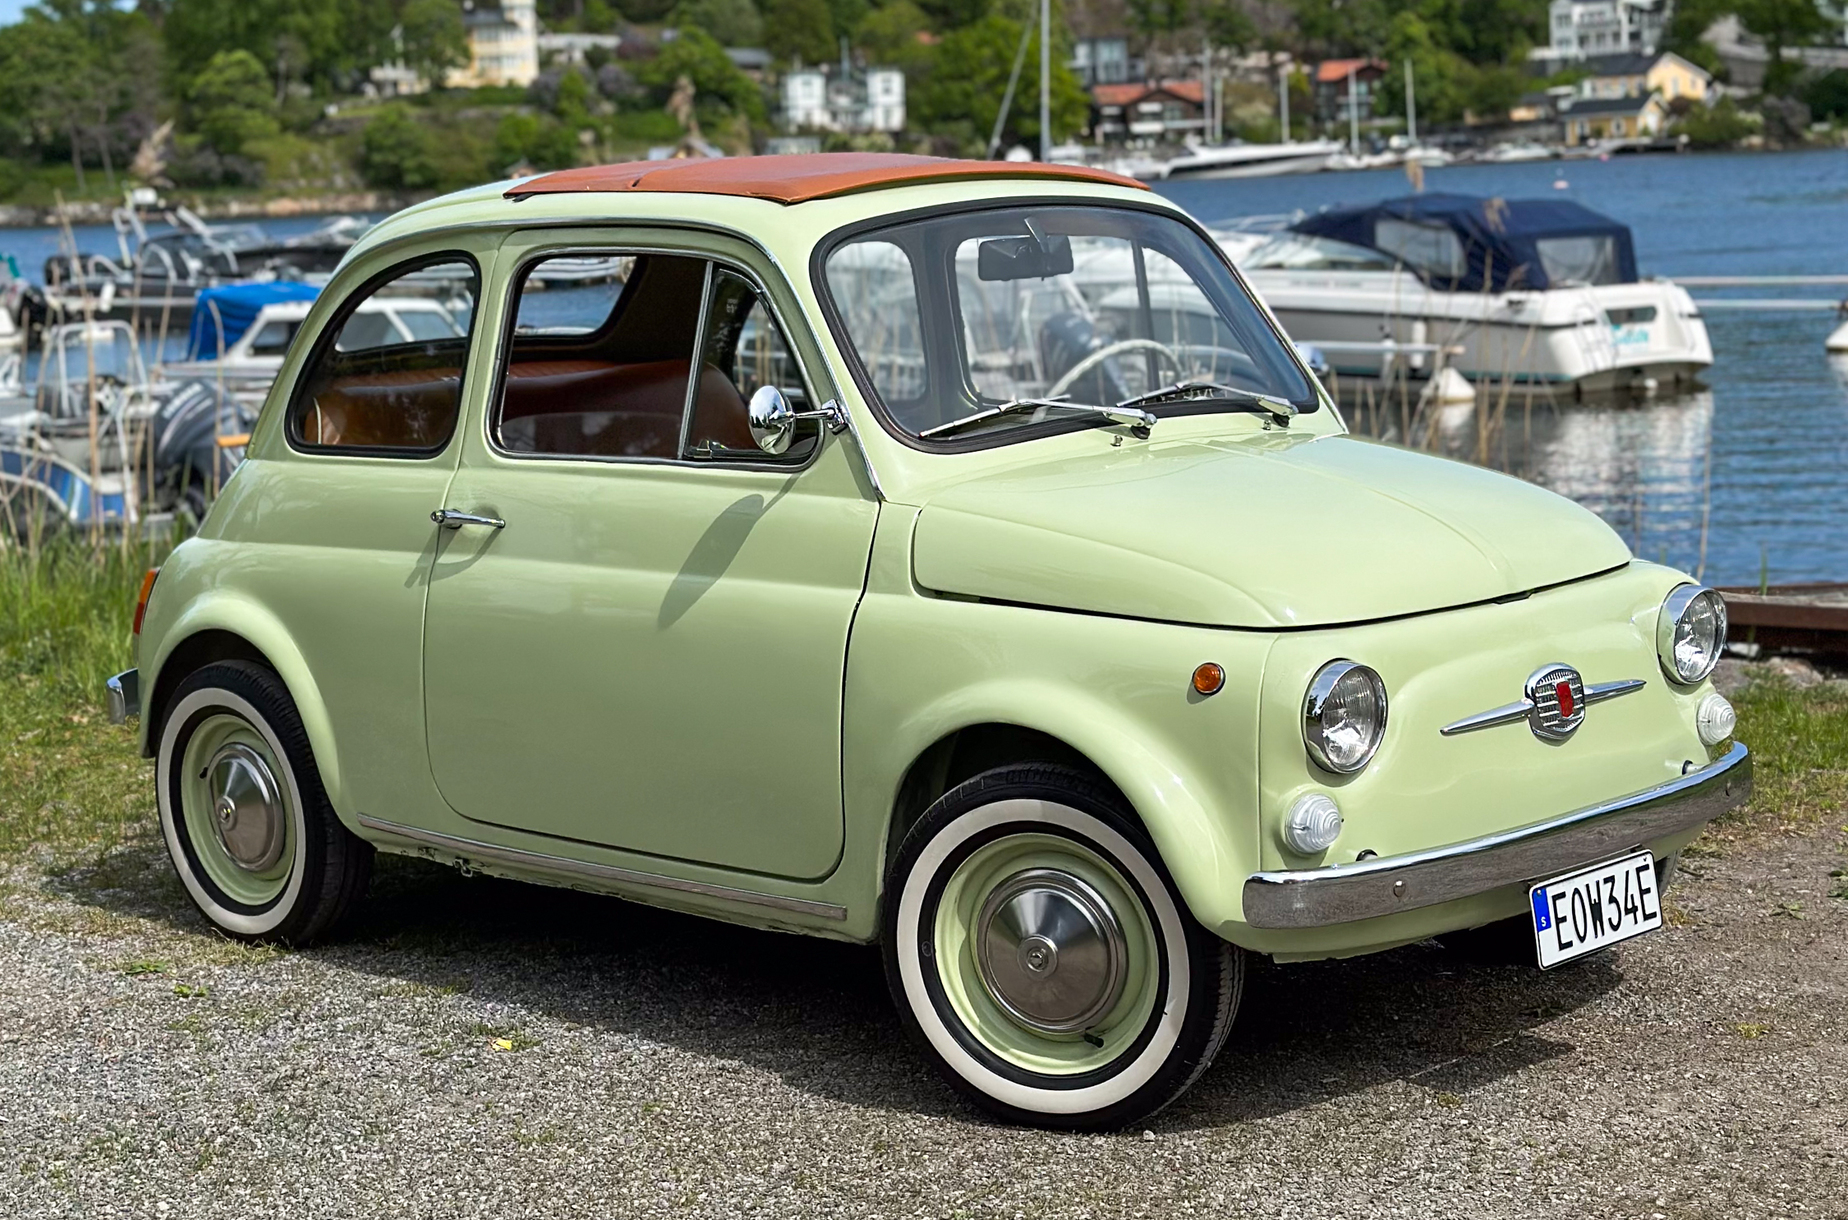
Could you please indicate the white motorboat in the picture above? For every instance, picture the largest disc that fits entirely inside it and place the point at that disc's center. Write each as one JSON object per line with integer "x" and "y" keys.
{"x": 1241, "y": 160}
{"x": 1519, "y": 151}
{"x": 1529, "y": 291}
{"x": 241, "y": 332}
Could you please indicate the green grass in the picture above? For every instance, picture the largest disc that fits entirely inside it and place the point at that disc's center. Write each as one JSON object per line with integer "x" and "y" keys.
{"x": 70, "y": 781}
{"x": 73, "y": 786}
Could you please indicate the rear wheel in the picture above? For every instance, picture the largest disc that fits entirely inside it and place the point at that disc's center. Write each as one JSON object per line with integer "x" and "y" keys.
{"x": 247, "y": 823}
{"x": 1041, "y": 957}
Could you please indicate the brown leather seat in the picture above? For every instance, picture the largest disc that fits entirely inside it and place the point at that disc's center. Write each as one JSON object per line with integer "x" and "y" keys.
{"x": 399, "y": 409}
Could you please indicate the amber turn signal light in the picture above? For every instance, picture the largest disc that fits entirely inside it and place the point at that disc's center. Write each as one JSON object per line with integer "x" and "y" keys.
{"x": 1208, "y": 679}
{"x": 141, "y": 602}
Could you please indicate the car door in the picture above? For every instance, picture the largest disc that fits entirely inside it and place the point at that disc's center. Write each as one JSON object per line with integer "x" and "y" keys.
{"x": 335, "y": 538}
{"x": 649, "y": 653}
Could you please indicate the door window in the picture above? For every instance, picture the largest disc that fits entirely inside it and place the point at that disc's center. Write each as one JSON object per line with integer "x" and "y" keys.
{"x": 376, "y": 390}
{"x": 597, "y": 363}
{"x": 742, "y": 350}
{"x": 603, "y": 347}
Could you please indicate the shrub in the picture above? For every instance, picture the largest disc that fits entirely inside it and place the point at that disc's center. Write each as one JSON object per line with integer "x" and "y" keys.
{"x": 395, "y": 151}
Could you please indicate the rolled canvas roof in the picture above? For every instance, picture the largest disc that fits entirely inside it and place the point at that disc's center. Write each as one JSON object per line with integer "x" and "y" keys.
{"x": 1500, "y": 236}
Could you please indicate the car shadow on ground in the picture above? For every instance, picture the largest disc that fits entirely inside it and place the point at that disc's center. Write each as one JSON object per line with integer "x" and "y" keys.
{"x": 816, "y": 1013}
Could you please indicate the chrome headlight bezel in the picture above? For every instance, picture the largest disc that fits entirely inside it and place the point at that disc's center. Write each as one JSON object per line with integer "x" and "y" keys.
{"x": 1315, "y": 705}
{"x": 1675, "y": 608}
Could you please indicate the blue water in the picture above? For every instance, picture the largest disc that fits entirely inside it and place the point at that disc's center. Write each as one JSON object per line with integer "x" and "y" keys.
{"x": 1751, "y": 471}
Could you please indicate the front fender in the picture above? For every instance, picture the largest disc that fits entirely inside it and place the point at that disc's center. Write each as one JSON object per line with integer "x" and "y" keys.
{"x": 1117, "y": 691}
{"x": 249, "y": 620}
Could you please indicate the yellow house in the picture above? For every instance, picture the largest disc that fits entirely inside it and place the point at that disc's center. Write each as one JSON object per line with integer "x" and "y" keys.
{"x": 1667, "y": 74}
{"x": 1589, "y": 119}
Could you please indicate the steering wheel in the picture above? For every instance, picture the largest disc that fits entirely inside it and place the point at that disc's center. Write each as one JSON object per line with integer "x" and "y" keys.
{"x": 1106, "y": 352}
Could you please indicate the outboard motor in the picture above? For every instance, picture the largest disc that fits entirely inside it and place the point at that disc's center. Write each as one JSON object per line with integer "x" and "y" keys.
{"x": 189, "y": 463}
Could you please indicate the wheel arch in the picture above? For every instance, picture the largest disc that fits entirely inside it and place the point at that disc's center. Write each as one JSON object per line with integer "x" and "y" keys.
{"x": 1206, "y": 851}
{"x": 231, "y": 628}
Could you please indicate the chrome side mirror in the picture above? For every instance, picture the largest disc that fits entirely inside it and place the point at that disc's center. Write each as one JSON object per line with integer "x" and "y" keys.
{"x": 773, "y": 421}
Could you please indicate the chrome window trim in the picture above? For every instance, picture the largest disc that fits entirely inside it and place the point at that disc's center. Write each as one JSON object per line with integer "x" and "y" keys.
{"x": 1368, "y": 889}
{"x": 474, "y": 849}
{"x": 504, "y": 349}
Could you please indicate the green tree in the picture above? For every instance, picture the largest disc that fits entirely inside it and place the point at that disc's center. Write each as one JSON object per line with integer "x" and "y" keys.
{"x": 433, "y": 38}
{"x": 799, "y": 30}
{"x": 324, "y": 43}
{"x": 720, "y": 88}
{"x": 230, "y": 102}
{"x": 734, "y": 23}
{"x": 954, "y": 14}
{"x": 539, "y": 140}
{"x": 1717, "y": 126}
{"x": 968, "y": 74}
{"x": 1827, "y": 95}
{"x": 1782, "y": 23}
{"x": 889, "y": 35}
{"x": 395, "y": 151}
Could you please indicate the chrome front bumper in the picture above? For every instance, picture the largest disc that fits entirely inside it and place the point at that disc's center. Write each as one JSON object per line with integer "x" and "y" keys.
{"x": 1342, "y": 893}
{"x": 124, "y": 696}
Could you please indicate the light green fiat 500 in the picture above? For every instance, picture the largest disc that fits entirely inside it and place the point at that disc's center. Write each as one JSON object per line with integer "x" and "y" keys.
{"x": 952, "y": 555}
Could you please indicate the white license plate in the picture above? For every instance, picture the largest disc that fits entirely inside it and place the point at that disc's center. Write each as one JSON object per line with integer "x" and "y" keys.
{"x": 1594, "y": 908}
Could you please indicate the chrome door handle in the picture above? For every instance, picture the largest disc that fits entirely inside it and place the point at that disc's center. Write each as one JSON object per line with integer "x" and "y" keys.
{"x": 450, "y": 519}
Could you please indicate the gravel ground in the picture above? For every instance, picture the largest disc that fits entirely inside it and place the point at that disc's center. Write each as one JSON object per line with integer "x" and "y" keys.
{"x": 459, "y": 1055}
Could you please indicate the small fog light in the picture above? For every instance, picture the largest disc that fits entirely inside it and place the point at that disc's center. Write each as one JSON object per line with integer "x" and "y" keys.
{"x": 1716, "y": 720}
{"x": 1312, "y": 825}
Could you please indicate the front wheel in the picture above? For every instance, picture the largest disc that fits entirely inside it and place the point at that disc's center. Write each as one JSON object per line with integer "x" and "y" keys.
{"x": 249, "y": 827}
{"x": 1039, "y": 953}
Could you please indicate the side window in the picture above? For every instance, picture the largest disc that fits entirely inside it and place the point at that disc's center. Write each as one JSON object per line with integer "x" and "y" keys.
{"x": 377, "y": 389}
{"x": 598, "y": 360}
{"x": 1433, "y": 249}
{"x": 273, "y": 339}
{"x": 742, "y": 350}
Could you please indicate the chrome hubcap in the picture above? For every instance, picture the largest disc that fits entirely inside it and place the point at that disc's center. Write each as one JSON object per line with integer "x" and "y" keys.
{"x": 246, "y": 807}
{"x": 1051, "y": 951}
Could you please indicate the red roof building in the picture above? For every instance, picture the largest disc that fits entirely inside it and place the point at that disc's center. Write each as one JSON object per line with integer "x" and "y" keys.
{"x": 1333, "y": 81}
{"x": 1150, "y": 112}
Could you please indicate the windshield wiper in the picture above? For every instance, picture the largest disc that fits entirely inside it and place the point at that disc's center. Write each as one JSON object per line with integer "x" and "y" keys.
{"x": 1278, "y": 409}
{"x": 1137, "y": 421}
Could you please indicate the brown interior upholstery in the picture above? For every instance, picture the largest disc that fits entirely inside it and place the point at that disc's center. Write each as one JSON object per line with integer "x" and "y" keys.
{"x": 394, "y": 409}
{"x": 615, "y": 410}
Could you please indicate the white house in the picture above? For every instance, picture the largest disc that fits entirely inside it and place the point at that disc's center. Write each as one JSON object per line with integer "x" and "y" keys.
{"x": 850, "y": 101}
{"x": 503, "y": 43}
{"x": 1579, "y": 29}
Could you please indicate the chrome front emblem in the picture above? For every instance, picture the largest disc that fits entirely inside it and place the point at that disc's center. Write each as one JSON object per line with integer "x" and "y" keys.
{"x": 1558, "y": 698}
{"x": 1554, "y": 704}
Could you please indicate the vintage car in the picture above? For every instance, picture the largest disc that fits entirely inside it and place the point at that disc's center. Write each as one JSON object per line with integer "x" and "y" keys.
{"x": 830, "y": 561}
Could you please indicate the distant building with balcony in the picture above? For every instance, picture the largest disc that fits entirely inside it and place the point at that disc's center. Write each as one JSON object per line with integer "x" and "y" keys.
{"x": 1345, "y": 89}
{"x": 1103, "y": 61}
{"x": 1581, "y": 29}
{"x": 503, "y": 44}
{"x": 852, "y": 101}
{"x": 1153, "y": 112}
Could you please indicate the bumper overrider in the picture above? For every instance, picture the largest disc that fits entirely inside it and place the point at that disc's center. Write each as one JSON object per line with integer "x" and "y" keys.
{"x": 1343, "y": 893}
{"x": 124, "y": 691}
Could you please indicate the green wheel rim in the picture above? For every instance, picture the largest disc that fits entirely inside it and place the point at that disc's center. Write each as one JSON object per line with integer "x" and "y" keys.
{"x": 221, "y": 745}
{"x": 1005, "y": 866}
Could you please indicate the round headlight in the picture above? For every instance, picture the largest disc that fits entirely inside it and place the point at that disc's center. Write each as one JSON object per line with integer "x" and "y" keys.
{"x": 1690, "y": 632}
{"x": 1344, "y": 716}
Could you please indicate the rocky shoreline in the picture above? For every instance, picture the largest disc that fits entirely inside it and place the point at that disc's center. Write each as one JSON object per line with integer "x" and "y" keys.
{"x": 92, "y": 212}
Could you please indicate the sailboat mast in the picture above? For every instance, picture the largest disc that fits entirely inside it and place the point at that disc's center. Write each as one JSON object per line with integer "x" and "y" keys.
{"x": 1411, "y": 105}
{"x": 1353, "y": 114}
{"x": 1283, "y": 101}
{"x": 1045, "y": 80}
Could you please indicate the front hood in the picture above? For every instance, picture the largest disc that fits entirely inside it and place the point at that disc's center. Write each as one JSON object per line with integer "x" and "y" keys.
{"x": 1281, "y": 531}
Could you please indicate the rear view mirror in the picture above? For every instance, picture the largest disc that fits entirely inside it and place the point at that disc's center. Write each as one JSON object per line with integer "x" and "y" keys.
{"x": 1023, "y": 258}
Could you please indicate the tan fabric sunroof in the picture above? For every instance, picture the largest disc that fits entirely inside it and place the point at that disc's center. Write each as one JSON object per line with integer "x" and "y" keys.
{"x": 797, "y": 179}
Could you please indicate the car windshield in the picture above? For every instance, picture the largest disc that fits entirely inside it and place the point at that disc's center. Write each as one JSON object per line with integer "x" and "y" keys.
{"x": 953, "y": 315}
